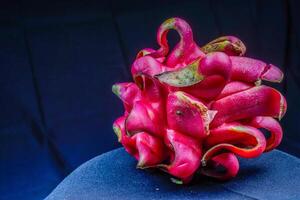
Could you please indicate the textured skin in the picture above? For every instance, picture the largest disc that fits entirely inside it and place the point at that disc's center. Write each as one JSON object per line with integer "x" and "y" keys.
{"x": 194, "y": 110}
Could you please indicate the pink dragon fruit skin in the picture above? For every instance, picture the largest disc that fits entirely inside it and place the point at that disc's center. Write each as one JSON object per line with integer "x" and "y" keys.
{"x": 186, "y": 156}
{"x": 188, "y": 115}
{"x": 192, "y": 109}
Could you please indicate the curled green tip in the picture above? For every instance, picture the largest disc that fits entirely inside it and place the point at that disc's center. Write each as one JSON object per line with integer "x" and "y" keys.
{"x": 228, "y": 44}
{"x": 169, "y": 23}
{"x": 117, "y": 131}
{"x": 240, "y": 129}
{"x": 176, "y": 181}
{"x": 183, "y": 77}
{"x": 116, "y": 89}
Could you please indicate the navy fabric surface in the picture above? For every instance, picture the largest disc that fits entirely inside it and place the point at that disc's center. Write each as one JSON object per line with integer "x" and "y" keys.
{"x": 275, "y": 175}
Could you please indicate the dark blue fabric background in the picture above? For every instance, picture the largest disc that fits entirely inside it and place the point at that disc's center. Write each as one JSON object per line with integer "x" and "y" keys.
{"x": 58, "y": 60}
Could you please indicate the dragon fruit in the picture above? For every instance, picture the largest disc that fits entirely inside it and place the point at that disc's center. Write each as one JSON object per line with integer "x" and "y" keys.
{"x": 194, "y": 109}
